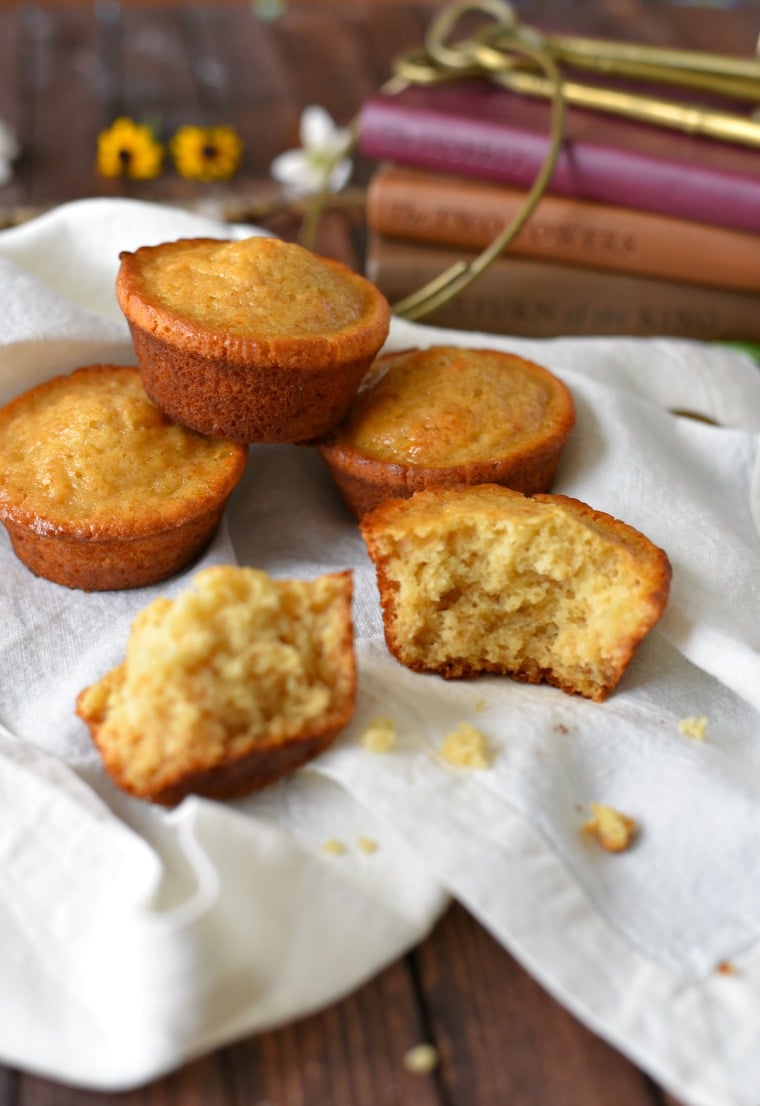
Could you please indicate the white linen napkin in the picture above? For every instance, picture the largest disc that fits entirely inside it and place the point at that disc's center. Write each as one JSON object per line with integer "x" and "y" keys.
{"x": 154, "y": 935}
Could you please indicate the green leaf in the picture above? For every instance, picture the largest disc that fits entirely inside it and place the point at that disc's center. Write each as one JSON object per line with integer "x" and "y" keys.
{"x": 752, "y": 348}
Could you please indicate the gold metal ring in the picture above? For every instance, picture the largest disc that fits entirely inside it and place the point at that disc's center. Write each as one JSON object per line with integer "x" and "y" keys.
{"x": 460, "y": 55}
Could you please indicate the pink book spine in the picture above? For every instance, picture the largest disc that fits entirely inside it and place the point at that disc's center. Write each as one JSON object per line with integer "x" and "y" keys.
{"x": 498, "y": 151}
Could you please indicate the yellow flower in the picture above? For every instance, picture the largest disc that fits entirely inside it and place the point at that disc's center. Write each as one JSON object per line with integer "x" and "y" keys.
{"x": 129, "y": 149}
{"x": 207, "y": 153}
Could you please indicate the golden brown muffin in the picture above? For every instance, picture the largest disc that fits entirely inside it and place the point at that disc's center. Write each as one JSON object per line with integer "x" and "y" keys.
{"x": 544, "y": 589}
{"x": 446, "y": 416}
{"x": 256, "y": 341}
{"x": 228, "y": 687}
{"x": 100, "y": 490}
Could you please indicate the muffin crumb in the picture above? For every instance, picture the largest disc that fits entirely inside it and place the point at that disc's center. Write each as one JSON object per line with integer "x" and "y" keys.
{"x": 613, "y": 830}
{"x": 421, "y": 1059}
{"x": 334, "y": 847}
{"x": 379, "y": 736}
{"x": 694, "y": 727}
{"x": 466, "y": 747}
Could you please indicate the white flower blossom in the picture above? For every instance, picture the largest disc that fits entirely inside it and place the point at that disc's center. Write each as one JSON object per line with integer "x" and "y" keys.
{"x": 321, "y": 164}
{"x": 9, "y": 150}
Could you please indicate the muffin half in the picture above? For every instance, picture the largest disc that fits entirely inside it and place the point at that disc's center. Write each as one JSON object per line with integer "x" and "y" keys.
{"x": 255, "y": 341}
{"x": 228, "y": 687}
{"x": 444, "y": 417}
{"x": 100, "y": 490}
{"x": 544, "y": 589}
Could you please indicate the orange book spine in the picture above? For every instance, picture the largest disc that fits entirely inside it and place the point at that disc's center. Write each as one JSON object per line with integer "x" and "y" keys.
{"x": 543, "y": 299}
{"x": 456, "y": 212}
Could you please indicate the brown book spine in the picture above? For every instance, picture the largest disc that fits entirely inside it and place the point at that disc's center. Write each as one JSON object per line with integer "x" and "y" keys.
{"x": 426, "y": 207}
{"x": 543, "y": 299}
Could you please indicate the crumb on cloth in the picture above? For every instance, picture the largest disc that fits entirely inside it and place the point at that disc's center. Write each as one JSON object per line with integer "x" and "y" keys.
{"x": 379, "y": 736}
{"x": 466, "y": 747}
{"x": 694, "y": 727}
{"x": 613, "y": 830}
{"x": 334, "y": 847}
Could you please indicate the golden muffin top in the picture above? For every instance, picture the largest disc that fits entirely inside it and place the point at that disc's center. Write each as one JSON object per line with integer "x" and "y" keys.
{"x": 259, "y": 287}
{"x": 89, "y": 454}
{"x": 446, "y": 406}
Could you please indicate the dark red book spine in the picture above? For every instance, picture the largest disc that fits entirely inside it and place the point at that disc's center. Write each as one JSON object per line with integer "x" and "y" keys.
{"x": 486, "y": 133}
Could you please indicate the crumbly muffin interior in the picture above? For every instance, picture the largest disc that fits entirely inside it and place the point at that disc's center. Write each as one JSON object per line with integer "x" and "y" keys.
{"x": 531, "y": 589}
{"x": 91, "y": 447}
{"x": 258, "y": 286}
{"x": 237, "y": 662}
{"x": 446, "y": 406}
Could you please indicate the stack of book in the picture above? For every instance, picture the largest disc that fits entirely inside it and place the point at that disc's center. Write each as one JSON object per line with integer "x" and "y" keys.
{"x": 643, "y": 231}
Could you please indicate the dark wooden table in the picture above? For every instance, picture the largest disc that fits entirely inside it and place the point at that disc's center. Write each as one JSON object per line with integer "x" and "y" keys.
{"x": 66, "y": 71}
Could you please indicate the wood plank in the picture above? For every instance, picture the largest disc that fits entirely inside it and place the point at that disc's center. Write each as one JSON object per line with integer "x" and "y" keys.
{"x": 12, "y": 107}
{"x": 683, "y": 28}
{"x": 160, "y": 77}
{"x": 9, "y": 1084}
{"x": 386, "y": 32}
{"x": 736, "y": 33}
{"x": 325, "y": 65}
{"x": 107, "y": 59}
{"x": 56, "y": 52}
{"x": 503, "y": 1038}
{"x": 257, "y": 93}
{"x": 160, "y": 81}
{"x": 350, "y": 1055}
{"x": 245, "y": 48}
{"x": 198, "y": 1082}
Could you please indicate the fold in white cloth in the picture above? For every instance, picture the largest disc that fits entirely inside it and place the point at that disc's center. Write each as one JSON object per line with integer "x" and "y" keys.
{"x": 132, "y": 938}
